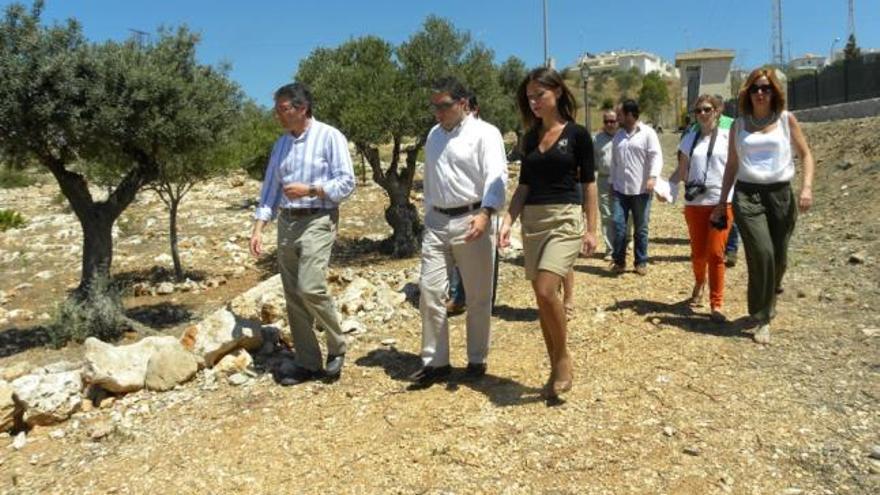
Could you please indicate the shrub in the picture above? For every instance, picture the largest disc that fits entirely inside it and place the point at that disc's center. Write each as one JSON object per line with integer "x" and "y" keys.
{"x": 11, "y": 178}
{"x": 11, "y": 219}
{"x": 99, "y": 315}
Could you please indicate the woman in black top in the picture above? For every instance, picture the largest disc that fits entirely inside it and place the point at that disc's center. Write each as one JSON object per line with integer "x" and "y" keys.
{"x": 558, "y": 160}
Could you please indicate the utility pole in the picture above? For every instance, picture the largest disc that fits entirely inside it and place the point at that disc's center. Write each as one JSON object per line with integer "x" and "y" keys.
{"x": 140, "y": 36}
{"x": 777, "y": 51}
{"x": 851, "y": 24}
{"x": 546, "y": 44}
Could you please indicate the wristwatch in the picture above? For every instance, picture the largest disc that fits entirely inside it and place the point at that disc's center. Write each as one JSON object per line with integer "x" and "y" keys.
{"x": 489, "y": 211}
{"x": 313, "y": 191}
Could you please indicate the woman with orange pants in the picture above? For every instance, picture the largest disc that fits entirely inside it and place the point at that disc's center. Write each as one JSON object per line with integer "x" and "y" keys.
{"x": 701, "y": 162}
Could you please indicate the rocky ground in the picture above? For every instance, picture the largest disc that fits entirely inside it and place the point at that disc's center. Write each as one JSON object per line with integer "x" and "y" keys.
{"x": 665, "y": 401}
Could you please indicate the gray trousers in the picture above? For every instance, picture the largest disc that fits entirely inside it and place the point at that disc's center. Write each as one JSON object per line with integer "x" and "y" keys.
{"x": 606, "y": 200}
{"x": 304, "y": 245}
{"x": 765, "y": 215}
{"x": 443, "y": 246}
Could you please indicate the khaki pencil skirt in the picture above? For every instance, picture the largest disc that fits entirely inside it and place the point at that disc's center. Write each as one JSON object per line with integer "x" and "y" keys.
{"x": 552, "y": 237}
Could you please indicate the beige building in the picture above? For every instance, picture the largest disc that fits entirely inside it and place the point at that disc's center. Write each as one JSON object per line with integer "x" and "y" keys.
{"x": 706, "y": 70}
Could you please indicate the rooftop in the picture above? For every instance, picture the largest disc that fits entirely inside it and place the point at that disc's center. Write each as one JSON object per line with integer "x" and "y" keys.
{"x": 705, "y": 54}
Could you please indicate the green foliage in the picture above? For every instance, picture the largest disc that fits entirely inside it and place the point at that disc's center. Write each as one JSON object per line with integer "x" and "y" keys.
{"x": 251, "y": 140}
{"x": 11, "y": 178}
{"x": 627, "y": 80}
{"x": 851, "y": 51}
{"x": 607, "y": 104}
{"x": 11, "y": 219}
{"x": 653, "y": 96}
{"x": 98, "y": 315}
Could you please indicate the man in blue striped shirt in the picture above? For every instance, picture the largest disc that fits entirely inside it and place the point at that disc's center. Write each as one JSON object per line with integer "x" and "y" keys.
{"x": 308, "y": 175}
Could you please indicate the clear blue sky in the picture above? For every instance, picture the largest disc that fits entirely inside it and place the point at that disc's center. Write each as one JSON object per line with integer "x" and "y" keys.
{"x": 264, "y": 40}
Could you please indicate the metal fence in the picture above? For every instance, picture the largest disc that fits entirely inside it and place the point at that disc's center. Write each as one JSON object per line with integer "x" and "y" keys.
{"x": 851, "y": 80}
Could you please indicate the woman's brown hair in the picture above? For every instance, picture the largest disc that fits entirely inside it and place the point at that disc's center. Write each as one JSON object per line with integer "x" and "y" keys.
{"x": 777, "y": 102}
{"x": 551, "y": 80}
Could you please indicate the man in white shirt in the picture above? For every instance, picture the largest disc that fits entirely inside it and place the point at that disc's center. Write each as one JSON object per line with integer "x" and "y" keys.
{"x": 464, "y": 184}
{"x": 636, "y": 162}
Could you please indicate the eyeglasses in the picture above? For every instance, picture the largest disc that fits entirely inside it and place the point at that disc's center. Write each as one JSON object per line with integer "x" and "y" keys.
{"x": 609, "y": 121}
{"x": 763, "y": 88}
{"x": 702, "y": 110}
{"x": 443, "y": 105}
{"x": 286, "y": 108}
{"x": 536, "y": 96}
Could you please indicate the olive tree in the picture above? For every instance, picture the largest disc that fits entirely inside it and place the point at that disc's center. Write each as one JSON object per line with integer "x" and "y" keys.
{"x": 109, "y": 113}
{"x": 378, "y": 94}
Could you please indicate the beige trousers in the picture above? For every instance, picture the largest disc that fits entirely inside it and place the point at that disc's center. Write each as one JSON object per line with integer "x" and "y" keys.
{"x": 304, "y": 245}
{"x": 443, "y": 246}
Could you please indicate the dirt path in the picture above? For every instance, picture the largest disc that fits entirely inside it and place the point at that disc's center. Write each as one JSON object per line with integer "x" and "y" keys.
{"x": 665, "y": 401}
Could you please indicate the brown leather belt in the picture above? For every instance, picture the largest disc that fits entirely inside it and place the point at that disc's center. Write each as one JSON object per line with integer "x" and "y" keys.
{"x": 459, "y": 210}
{"x": 303, "y": 212}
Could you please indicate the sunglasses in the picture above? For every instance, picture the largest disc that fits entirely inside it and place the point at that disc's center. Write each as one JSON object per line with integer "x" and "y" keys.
{"x": 609, "y": 121}
{"x": 763, "y": 88}
{"x": 443, "y": 105}
{"x": 702, "y": 110}
{"x": 536, "y": 96}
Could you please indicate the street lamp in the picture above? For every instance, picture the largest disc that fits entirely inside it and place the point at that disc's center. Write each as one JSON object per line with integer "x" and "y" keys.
{"x": 585, "y": 77}
{"x": 831, "y": 52}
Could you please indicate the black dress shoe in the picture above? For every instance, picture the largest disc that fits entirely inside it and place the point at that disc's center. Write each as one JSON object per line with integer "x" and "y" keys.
{"x": 299, "y": 375}
{"x": 430, "y": 374}
{"x": 334, "y": 365}
{"x": 475, "y": 371}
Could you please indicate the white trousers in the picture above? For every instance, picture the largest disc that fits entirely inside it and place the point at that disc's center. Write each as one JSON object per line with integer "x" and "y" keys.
{"x": 443, "y": 246}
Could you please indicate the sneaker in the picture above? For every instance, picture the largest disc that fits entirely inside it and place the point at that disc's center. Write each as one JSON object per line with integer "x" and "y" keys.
{"x": 616, "y": 269}
{"x": 642, "y": 269}
{"x": 730, "y": 259}
{"x": 717, "y": 316}
{"x": 762, "y": 334}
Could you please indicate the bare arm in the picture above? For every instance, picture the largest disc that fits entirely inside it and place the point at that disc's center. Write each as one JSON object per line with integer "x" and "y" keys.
{"x": 730, "y": 170}
{"x": 513, "y": 211}
{"x": 803, "y": 150}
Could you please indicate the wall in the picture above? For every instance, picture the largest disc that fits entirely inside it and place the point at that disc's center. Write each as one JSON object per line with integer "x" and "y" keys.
{"x": 850, "y": 110}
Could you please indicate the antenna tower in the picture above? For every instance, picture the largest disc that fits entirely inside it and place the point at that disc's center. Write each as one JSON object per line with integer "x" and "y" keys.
{"x": 851, "y": 26}
{"x": 776, "y": 48}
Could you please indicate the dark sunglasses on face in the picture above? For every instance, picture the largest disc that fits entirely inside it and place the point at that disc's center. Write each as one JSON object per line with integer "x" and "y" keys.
{"x": 610, "y": 121}
{"x": 443, "y": 105}
{"x": 763, "y": 88}
{"x": 702, "y": 110}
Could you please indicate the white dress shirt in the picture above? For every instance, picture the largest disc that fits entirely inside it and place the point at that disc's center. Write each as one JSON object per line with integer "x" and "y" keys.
{"x": 635, "y": 158}
{"x": 465, "y": 165}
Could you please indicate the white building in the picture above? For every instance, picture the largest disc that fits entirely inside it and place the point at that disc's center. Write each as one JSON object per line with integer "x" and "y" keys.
{"x": 704, "y": 71}
{"x": 642, "y": 61}
{"x": 809, "y": 61}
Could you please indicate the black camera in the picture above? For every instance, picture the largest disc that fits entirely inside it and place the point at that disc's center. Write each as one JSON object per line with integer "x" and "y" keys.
{"x": 693, "y": 189}
{"x": 721, "y": 223}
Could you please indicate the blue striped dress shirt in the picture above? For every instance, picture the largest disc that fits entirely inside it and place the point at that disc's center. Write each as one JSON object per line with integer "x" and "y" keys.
{"x": 320, "y": 157}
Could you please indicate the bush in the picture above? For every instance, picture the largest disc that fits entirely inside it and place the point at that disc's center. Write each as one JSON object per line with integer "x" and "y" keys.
{"x": 11, "y": 219}
{"x": 11, "y": 178}
{"x": 99, "y": 315}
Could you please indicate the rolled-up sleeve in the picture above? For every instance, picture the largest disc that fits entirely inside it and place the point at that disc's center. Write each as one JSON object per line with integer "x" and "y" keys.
{"x": 494, "y": 162}
{"x": 655, "y": 154}
{"x": 340, "y": 185}
{"x": 270, "y": 194}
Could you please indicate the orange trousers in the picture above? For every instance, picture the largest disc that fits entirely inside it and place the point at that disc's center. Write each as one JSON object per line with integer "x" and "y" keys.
{"x": 707, "y": 249}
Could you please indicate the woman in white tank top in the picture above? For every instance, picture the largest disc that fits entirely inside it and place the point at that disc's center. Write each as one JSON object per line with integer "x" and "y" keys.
{"x": 760, "y": 161}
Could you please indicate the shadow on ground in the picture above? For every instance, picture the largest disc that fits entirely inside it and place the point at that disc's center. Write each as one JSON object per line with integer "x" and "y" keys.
{"x": 499, "y": 390}
{"x": 160, "y": 315}
{"x": 16, "y": 340}
{"x": 682, "y": 316}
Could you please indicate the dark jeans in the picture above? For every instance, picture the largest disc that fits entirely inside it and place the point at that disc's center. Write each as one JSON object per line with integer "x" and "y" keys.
{"x": 766, "y": 215}
{"x": 732, "y": 240}
{"x": 640, "y": 207}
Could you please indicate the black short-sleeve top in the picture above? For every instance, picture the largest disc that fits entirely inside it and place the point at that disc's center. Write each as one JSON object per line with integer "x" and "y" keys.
{"x": 557, "y": 175}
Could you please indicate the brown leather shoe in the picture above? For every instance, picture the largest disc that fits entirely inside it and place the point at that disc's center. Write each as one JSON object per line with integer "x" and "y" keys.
{"x": 453, "y": 309}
